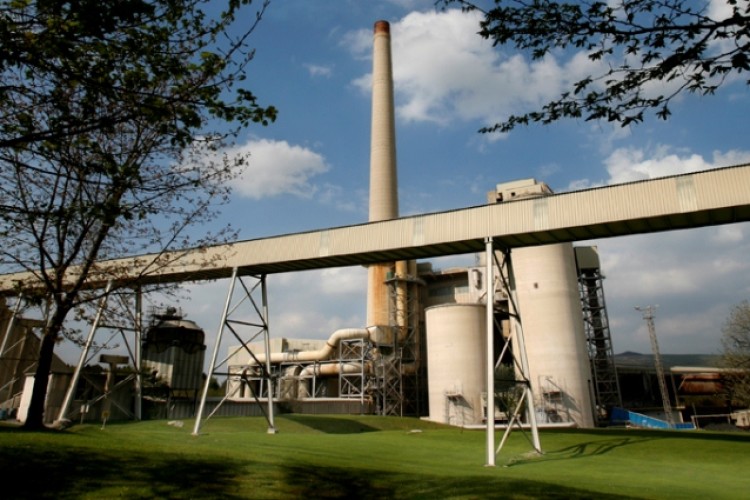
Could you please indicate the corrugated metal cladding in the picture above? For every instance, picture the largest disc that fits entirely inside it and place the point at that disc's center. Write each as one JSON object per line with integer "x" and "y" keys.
{"x": 686, "y": 194}
{"x": 729, "y": 186}
{"x": 418, "y": 231}
{"x": 455, "y": 226}
{"x": 541, "y": 214}
{"x": 690, "y": 200}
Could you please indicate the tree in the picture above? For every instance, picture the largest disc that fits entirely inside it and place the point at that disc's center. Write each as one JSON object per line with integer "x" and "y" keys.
{"x": 685, "y": 45}
{"x": 509, "y": 390}
{"x": 112, "y": 118}
{"x": 736, "y": 354}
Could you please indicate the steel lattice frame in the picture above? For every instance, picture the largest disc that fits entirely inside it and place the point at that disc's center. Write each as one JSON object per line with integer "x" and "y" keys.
{"x": 599, "y": 341}
{"x": 252, "y": 294}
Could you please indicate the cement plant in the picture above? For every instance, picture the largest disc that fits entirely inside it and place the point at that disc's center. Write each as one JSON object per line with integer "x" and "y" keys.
{"x": 526, "y": 324}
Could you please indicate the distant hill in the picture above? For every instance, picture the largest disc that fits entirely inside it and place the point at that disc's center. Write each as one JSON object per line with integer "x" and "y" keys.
{"x": 646, "y": 361}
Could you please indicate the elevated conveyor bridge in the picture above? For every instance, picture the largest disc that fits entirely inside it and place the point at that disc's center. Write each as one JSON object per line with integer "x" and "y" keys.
{"x": 720, "y": 196}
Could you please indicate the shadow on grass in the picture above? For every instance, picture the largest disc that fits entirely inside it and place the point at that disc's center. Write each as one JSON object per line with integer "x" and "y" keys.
{"x": 77, "y": 473}
{"x": 304, "y": 481}
{"x": 581, "y": 450}
{"x": 703, "y": 435}
{"x": 331, "y": 425}
{"x": 734, "y": 436}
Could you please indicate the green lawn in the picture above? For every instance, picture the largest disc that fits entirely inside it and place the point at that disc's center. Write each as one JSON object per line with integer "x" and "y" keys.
{"x": 366, "y": 457}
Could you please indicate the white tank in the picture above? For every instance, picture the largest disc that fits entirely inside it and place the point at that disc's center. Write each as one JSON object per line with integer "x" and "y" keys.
{"x": 456, "y": 339}
{"x": 550, "y": 306}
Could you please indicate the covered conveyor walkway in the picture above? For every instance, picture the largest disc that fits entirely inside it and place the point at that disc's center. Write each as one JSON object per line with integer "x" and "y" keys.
{"x": 720, "y": 196}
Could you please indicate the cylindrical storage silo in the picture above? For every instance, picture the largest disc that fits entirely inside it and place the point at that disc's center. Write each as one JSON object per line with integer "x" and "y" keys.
{"x": 173, "y": 353}
{"x": 552, "y": 321}
{"x": 456, "y": 361}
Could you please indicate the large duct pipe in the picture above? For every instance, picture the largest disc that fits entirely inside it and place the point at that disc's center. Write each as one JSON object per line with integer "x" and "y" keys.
{"x": 373, "y": 333}
{"x": 330, "y": 369}
{"x": 383, "y": 172}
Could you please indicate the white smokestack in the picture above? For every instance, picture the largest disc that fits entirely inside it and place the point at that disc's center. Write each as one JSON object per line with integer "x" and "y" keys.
{"x": 383, "y": 178}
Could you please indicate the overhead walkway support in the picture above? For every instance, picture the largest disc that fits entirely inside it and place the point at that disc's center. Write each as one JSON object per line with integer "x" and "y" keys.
{"x": 245, "y": 294}
{"x": 514, "y": 345}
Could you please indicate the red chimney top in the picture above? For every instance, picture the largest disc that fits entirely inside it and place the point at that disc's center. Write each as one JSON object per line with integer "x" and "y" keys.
{"x": 382, "y": 27}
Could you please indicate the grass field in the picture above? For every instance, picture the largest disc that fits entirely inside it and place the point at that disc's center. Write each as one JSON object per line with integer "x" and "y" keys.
{"x": 365, "y": 457}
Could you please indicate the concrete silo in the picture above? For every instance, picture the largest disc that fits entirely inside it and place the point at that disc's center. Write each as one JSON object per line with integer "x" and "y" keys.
{"x": 456, "y": 363}
{"x": 550, "y": 307}
{"x": 173, "y": 351}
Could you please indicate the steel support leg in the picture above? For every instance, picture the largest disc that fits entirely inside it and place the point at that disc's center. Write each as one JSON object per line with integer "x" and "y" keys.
{"x": 84, "y": 355}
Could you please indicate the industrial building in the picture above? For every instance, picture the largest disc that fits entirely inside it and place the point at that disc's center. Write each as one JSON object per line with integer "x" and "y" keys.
{"x": 423, "y": 350}
{"x": 172, "y": 353}
{"x": 428, "y": 359}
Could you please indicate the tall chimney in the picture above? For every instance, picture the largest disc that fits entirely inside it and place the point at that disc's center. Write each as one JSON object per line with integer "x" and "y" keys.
{"x": 383, "y": 178}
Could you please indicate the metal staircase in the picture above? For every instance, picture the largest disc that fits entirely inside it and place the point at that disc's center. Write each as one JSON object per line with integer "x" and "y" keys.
{"x": 601, "y": 355}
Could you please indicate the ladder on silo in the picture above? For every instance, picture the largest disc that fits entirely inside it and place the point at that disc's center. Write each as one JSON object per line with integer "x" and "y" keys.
{"x": 599, "y": 341}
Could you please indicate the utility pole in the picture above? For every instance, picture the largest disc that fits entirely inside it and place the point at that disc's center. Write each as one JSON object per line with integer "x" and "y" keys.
{"x": 648, "y": 315}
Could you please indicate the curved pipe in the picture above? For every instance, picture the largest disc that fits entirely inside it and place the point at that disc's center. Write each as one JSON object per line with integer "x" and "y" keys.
{"x": 326, "y": 351}
{"x": 334, "y": 369}
{"x": 329, "y": 369}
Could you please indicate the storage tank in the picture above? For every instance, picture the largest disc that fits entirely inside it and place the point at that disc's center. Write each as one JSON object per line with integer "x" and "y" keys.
{"x": 173, "y": 352}
{"x": 456, "y": 336}
{"x": 550, "y": 306}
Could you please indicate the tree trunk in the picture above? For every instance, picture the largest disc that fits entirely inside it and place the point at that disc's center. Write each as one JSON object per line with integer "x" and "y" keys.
{"x": 35, "y": 417}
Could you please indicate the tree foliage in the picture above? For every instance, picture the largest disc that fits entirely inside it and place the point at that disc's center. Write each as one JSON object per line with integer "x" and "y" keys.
{"x": 683, "y": 45}
{"x": 736, "y": 354}
{"x": 112, "y": 118}
{"x": 509, "y": 390}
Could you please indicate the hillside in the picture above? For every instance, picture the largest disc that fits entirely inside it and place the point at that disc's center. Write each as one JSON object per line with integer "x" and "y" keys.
{"x": 646, "y": 361}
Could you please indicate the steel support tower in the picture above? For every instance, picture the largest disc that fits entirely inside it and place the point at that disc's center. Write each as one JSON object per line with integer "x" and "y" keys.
{"x": 353, "y": 361}
{"x": 251, "y": 292}
{"x": 599, "y": 340}
{"x": 398, "y": 369}
{"x": 648, "y": 315}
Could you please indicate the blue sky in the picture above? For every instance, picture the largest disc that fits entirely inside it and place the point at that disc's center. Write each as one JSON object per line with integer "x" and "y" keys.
{"x": 309, "y": 170}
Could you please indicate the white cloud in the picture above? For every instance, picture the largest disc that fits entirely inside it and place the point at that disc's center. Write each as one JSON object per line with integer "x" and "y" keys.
{"x": 443, "y": 71}
{"x": 334, "y": 195}
{"x": 632, "y": 164}
{"x": 629, "y": 164}
{"x": 317, "y": 70}
{"x": 693, "y": 275}
{"x": 719, "y": 9}
{"x": 277, "y": 167}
